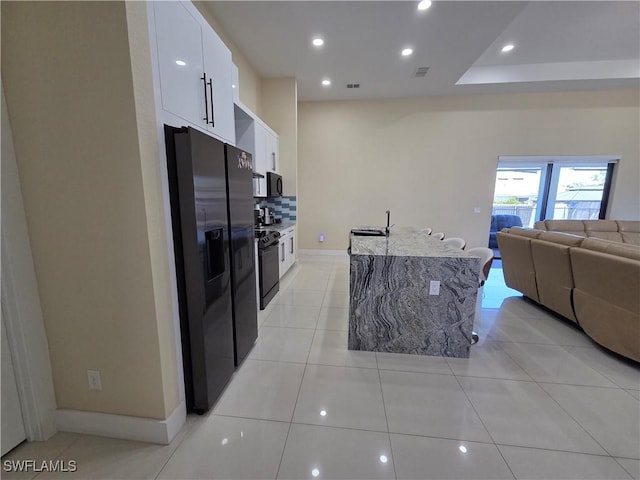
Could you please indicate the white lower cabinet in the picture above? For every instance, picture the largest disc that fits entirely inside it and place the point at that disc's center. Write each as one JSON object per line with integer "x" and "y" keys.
{"x": 287, "y": 250}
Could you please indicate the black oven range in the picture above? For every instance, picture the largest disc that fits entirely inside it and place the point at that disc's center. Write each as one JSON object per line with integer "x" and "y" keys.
{"x": 268, "y": 265}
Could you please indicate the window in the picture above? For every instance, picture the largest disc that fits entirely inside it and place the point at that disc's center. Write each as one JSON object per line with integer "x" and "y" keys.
{"x": 537, "y": 188}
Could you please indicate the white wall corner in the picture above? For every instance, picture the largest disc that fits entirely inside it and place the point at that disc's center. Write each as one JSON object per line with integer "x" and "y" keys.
{"x": 122, "y": 426}
{"x": 21, "y": 302}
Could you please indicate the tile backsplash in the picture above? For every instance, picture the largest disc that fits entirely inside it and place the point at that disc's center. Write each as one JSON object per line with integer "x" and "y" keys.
{"x": 282, "y": 207}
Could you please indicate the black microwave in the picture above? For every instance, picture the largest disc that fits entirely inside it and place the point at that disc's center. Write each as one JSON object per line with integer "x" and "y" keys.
{"x": 274, "y": 185}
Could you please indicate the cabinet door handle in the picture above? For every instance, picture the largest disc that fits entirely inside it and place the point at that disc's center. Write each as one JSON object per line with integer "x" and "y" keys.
{"x": 282, "y": 260}
{"x": 273, "y": 156}
{"x": 206, "y": 107}
{"x": 213, "y": 115}
{"x": 291, "y": 245}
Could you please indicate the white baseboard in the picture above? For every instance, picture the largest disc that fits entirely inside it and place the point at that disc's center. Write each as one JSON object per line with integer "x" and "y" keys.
{"x": 122, "y": 426}
{"x": 336, "y": 253}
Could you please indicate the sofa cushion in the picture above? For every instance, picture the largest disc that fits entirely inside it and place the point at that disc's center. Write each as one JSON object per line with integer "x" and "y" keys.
{"x": 622, "y": 250}
{"x": 569, "y": 226}
{"x": 630, "y": 231}
{"x": 552, "y": 265}
{"x": 606, "y": 300}
{"x": 611, "y": 277}
{"x": 605, "y": 229}
{"x": 567, "y": 239}
{"x": 613, "y": 248}
{"x": 517, "y": 263}
{"x": 523, "y": 232}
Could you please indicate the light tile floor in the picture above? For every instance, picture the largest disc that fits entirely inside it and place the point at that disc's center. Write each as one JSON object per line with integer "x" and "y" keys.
{"x": 536, "y": 399}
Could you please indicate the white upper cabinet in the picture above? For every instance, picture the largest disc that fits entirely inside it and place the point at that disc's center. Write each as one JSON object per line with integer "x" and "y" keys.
{"x": 260, "y": 160}
{"x": 235, "y": 83}
{"x": 254, "y": 136}
{"x": 195, "y": 69}
{"x": 218, "y": 68}
{"x": 179, "y": 41}
{"x": 272, "y": 152}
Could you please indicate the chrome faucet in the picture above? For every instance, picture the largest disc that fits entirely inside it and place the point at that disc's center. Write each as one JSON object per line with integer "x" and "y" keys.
{"x": 388, "y": 228}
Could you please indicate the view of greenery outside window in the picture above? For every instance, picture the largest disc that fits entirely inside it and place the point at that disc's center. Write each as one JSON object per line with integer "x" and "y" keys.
{"x": 516, "y": 193}
{"x": 579, "y": 193}
{"x": 566, "y": 191}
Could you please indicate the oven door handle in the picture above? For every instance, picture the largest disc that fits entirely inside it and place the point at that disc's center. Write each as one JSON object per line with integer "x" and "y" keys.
{"x": 268, "y": 248}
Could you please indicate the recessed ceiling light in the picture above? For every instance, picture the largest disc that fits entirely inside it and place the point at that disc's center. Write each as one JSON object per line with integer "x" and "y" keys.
{"x": 406, "y": 52}
{"x": 326, "y": 82}
{"x": 424, "y": 4}
{"x": 318, "y": 42}
{"x": 181, "y": 63}
{"x": 508, "y": 47}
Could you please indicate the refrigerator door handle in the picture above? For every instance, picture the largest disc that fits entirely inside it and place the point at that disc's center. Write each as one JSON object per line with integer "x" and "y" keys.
{"x": 206, "y": 107}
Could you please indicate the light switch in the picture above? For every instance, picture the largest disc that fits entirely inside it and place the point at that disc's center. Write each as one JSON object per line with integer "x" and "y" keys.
{"x": 95, "y": 382}
{"x": 434, "y": 287}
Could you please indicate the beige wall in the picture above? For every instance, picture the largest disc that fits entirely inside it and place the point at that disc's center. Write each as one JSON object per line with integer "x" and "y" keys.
{"x": 249, "y": 80}
{"x": 158, "y": 225}
{"x": 69, "y": 90}
{"x": 280, "y": 112}
{"x": 432, "y": 160}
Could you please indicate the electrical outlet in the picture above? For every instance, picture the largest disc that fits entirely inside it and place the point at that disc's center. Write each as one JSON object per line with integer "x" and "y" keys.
{"x": 95, "y": 382}
{"x": 476, "y": 210}
{"x": 321, "y": 237}
{"x": 434, "y": 287}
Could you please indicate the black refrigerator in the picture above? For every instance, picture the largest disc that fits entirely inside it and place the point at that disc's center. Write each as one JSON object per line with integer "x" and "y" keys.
{"x": 211, "y": 194}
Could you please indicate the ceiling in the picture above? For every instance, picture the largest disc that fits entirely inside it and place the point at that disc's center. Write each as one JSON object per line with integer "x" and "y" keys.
{"x": 559, "y": 45}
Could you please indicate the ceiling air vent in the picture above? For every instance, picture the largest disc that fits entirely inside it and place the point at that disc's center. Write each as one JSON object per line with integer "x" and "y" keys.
{"x": 421, "y": 72}
{"x": 353, "y": 85}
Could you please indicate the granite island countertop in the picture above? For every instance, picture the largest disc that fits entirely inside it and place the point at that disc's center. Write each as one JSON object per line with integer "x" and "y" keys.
{"x": 403, "y": 242}
{"x": 410, "y": 293}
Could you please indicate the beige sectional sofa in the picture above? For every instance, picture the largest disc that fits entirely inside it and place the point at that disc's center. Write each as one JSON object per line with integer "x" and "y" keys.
{"x": 591, "y": 281}
{"x": 624, "y": 231}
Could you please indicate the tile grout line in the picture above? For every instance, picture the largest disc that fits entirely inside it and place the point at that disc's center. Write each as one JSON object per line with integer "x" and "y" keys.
{"x": 187, "y": 434}
{"x": 597, "y": 370}
{"x": 295, "y": 405}
{"x": 562, "y": 383}
{"x": 57, "y": 457}
{"x": 562, "y": 408}
{"x": 602, "y": 455}
{"x": 484, "y": 426}
{"x": 615, "y": 459}
{"x": 386, "y": 419}
{"x": 571, "y": 416}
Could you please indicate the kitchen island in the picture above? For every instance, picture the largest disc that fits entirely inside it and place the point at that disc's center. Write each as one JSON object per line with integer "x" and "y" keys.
{"x": 396, "y": 303}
